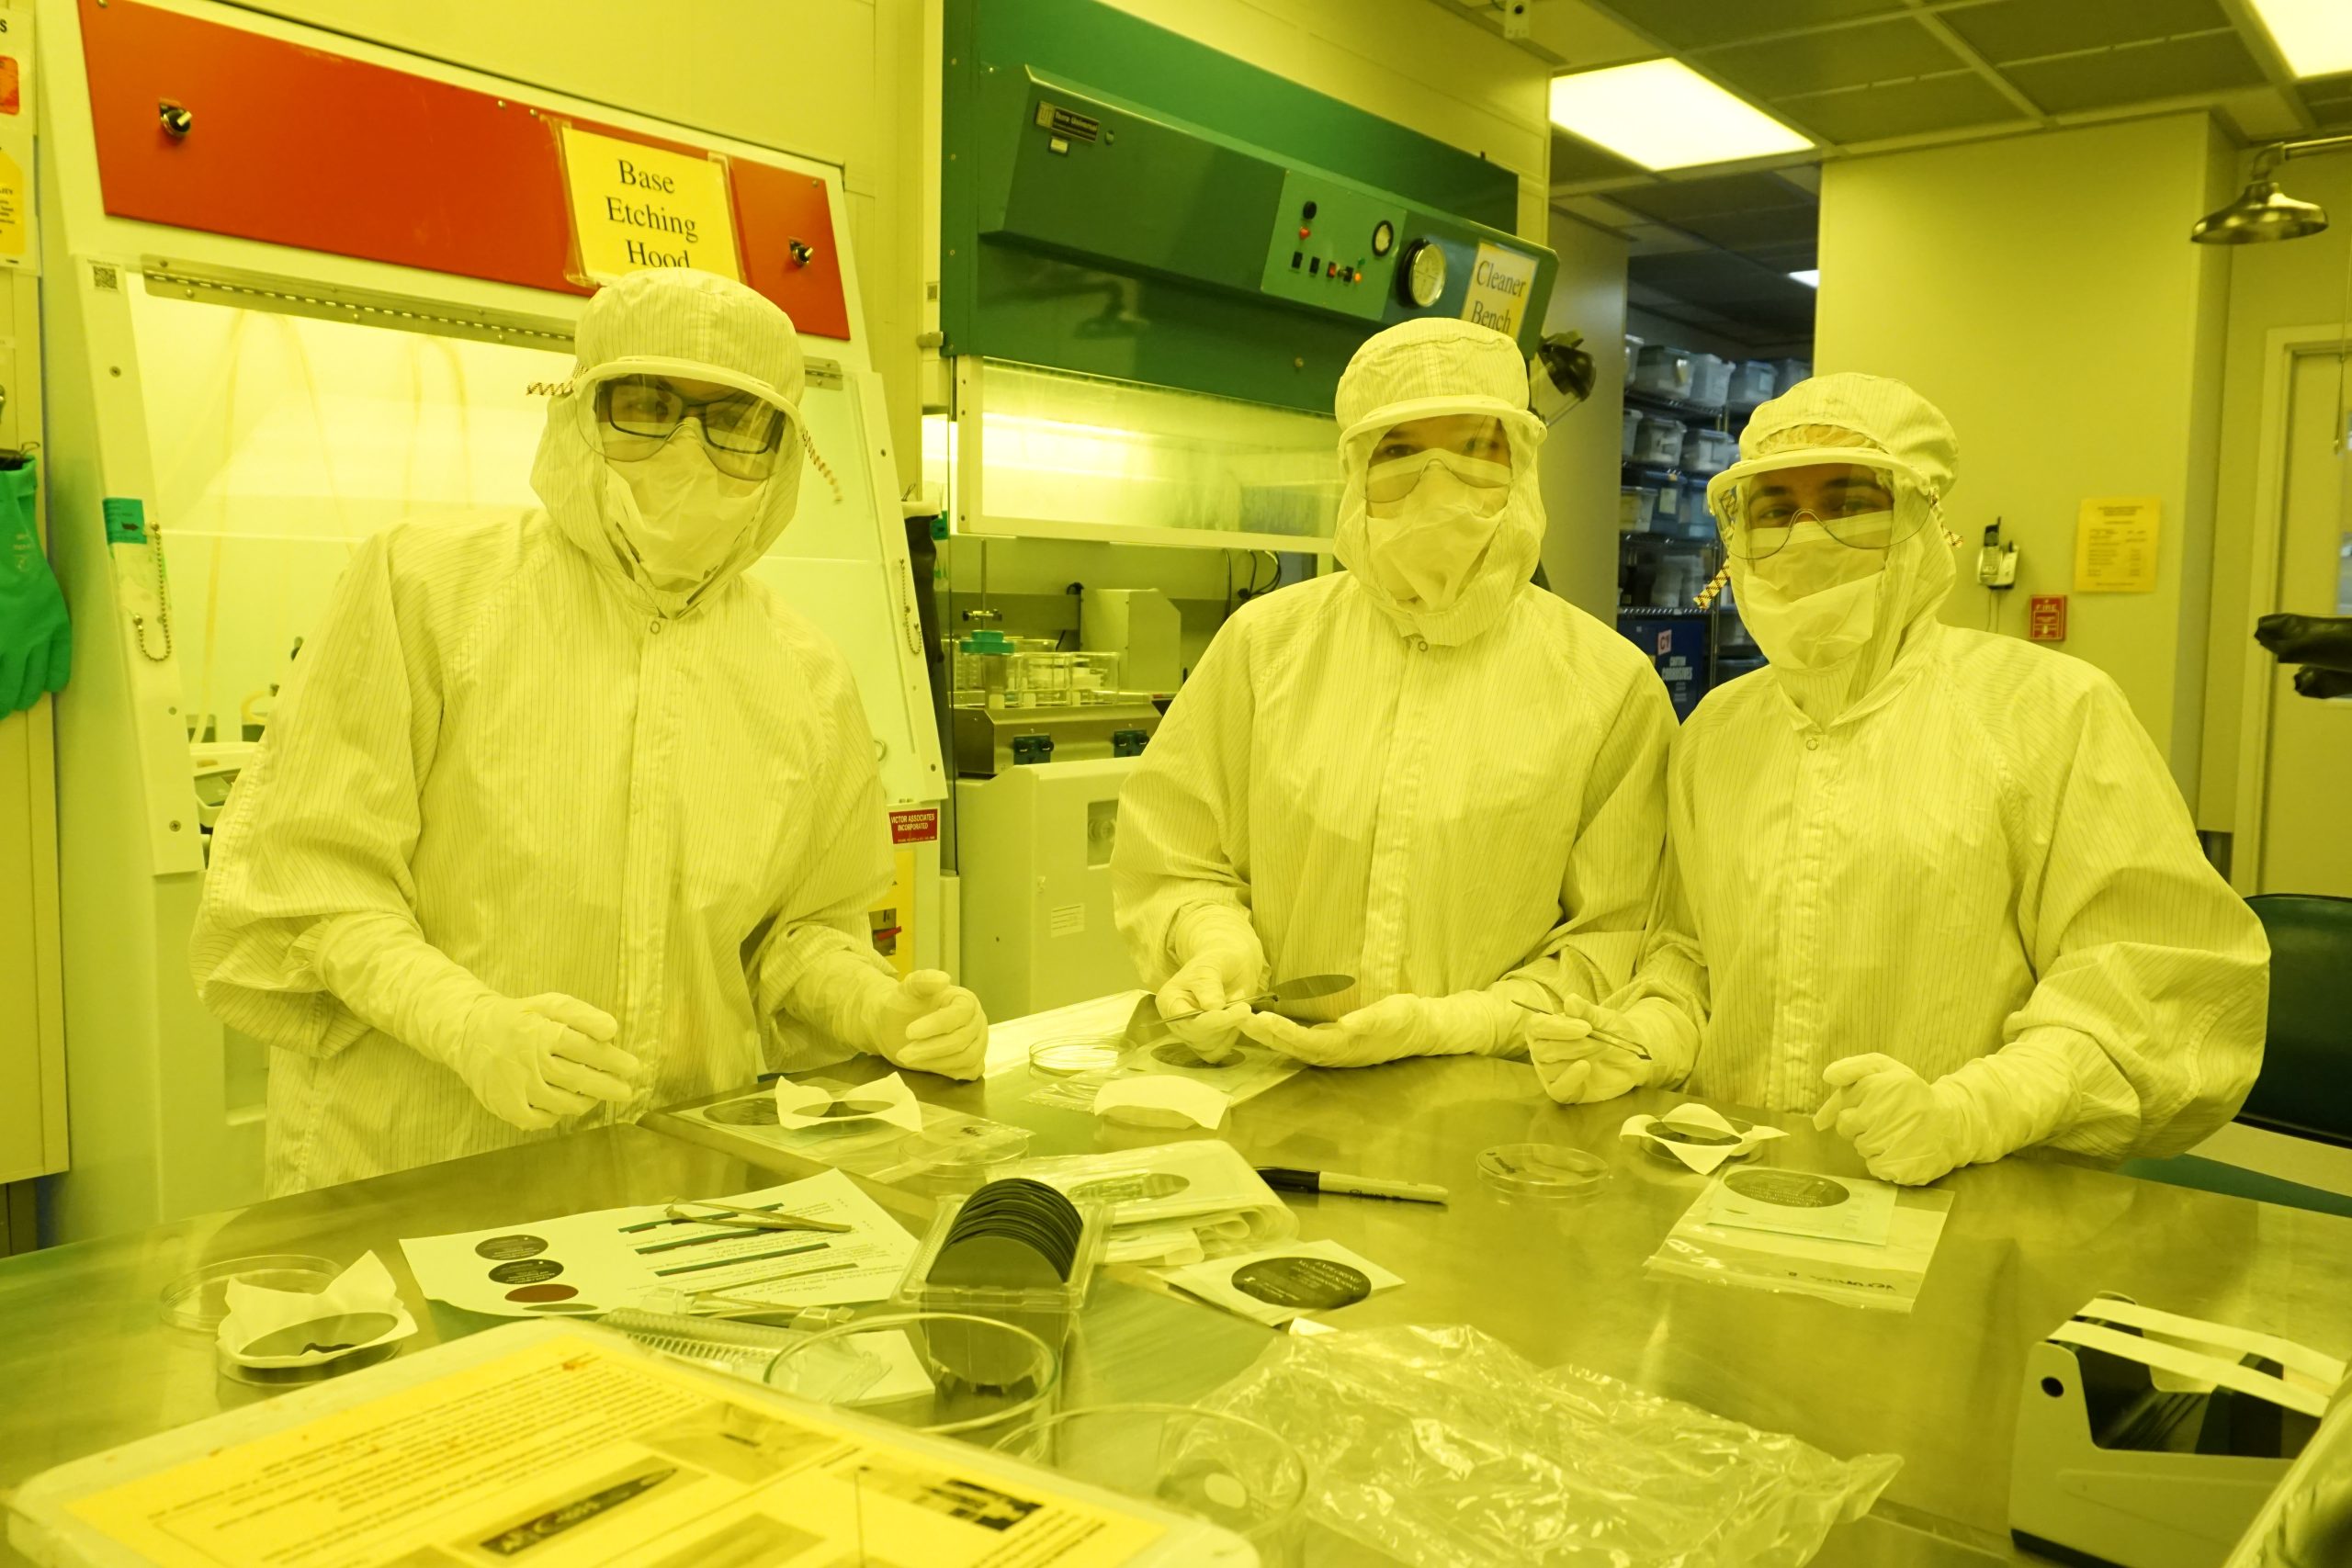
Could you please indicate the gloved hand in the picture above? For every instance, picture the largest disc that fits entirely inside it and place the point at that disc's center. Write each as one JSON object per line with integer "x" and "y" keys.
{"x": 1908, "y": 1130}
{"x": 1588, "y": 1053}
{"x": 532, "y": 1061}
{"x": 1224, "y": 966}
{"x": 928, "y": 1024}
{"x": 1468, "y": 1023}
{"x": 528, "y": 1062}
{"x": 36, "y": 640}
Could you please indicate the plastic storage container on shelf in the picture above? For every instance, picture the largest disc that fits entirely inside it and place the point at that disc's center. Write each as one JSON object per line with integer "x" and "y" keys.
{"x": 1707, "y": 452}
{"x": 1659, "y": 441}
{"x": 1636, "y": 508}
{"x": 1690, "y": 519}
{"x": 1633, "y": 429}
{"x": 1665, "y": 510}
{"x": 1787, "y": 373}
{"x": 1752, "y": 383}
{"x": 1633, "y": 355}
{"x": 1710, "y": 380}
{"x": 1662, "y": 371}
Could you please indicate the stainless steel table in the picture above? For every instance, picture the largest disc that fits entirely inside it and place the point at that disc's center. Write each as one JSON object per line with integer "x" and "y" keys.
{"x": 85, "y": 1364}
{"x": 2029, "y": 1241}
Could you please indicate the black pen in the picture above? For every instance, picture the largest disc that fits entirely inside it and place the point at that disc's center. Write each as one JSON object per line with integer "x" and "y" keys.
{"x": 1287, "y": 1181}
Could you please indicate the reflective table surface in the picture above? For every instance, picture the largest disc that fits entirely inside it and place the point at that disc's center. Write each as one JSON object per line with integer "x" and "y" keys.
{"x": 2028, "y": 1242}
{"x": 85, "y": 1363}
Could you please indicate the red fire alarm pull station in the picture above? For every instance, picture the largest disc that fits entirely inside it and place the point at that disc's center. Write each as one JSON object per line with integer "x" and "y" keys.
{"x": 2046, "y": 618}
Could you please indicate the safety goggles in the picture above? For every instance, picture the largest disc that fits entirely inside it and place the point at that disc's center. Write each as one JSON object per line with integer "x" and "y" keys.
{"x": 1866, "y": 501}
{"x": 1475, "y": 449}
{"x": 636, "y": 415}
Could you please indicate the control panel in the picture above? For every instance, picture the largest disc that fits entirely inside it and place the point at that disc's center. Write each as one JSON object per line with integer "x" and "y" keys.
{"x": 1335, "y": 246}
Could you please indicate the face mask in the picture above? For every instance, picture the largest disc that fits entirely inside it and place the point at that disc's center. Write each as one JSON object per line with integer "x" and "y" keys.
{"x": 1815, "y": 632}
{"x": 1429, "y": 544}
{"x": 681, "y": 516}
{"x": 1812, "y": 604}
{"x": 1814, "y": 559}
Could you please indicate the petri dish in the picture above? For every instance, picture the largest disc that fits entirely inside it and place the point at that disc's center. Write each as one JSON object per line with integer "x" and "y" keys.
{"x": 198, "y": 1301}
{"x": 1222, "y": 1468}
{"x": 1541, "y": 1170}
{"x": 980, "y": 1378}
{"x": 1076, "y": 1055}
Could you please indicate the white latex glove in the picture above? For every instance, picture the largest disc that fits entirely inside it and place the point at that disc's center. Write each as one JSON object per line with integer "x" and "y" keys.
{"x": 528, "y": 1062}
{"x": 929, "y": 1024}
{"x": 1468, "y": 1023}
{"x": 1587, "y": 1052}
{"x": 1908, "y": 1130}
{"x": 1224, "y": 967}
{"x": 533, "y": 1061}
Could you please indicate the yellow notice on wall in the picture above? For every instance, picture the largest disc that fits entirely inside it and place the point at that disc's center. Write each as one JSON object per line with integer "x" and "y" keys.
{"x": 635, "y": 206}
{"x": 2115, "y": 545}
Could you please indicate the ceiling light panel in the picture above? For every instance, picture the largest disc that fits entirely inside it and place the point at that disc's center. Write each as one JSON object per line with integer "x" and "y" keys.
{"x": 2314, "y": 35}
{"x": 1663, "y": 114}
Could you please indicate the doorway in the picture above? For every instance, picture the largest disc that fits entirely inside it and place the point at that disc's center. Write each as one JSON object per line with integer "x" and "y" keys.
{"x": 2302, "y": 838}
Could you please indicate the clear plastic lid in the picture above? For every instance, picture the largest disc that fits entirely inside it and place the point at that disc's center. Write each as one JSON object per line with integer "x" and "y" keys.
{"x": 1542, "y": 1170}
{"x": 1077, "y": 1055}
{"x": 198, "y": 1301}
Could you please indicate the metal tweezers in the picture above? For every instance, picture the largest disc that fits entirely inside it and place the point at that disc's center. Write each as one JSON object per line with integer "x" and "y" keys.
{"x": 747, "y": 1219}
{"x": 1547, "y": 1012}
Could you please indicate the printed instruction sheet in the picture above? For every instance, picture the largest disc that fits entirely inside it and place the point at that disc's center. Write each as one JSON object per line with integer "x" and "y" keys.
{"x": 572, "y": 1452}
{"x": 609, "y": 1258}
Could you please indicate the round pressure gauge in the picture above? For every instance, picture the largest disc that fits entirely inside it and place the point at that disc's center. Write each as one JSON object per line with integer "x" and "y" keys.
{"x": 1421, "y": 278}
{"x": 1383, "y": 238}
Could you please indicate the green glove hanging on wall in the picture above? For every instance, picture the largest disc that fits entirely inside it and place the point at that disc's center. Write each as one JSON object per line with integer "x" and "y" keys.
{"x": 36, "y": 640}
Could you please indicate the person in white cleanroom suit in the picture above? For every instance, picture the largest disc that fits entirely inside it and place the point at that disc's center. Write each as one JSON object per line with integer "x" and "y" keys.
{"x": 562, "y": 817}
{"x": 1934, "y": 883}
{"x": 1423, "y": 772}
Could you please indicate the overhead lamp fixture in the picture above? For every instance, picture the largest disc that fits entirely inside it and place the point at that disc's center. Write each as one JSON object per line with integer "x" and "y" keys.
{"x": 2263, "y": 211}
{"x": 2314, "y": 35}
{"x": 1810, "y": 276}
{"x": 1663, "y": 114}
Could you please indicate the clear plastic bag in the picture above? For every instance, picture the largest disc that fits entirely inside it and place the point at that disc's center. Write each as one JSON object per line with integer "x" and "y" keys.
{"x": 1443, "y": 1448}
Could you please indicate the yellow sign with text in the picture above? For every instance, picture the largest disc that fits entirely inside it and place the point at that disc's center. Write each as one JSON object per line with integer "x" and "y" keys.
{"x": 2115, "y": 544}
{"x": 1501, "y": 283}
{"x": 635, "y": 206}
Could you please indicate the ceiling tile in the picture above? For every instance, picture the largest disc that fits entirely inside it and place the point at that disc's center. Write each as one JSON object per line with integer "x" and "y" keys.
{"x": 1597, "y": 210}
{"x": 1694, "y": 24}
{"x": 2260, "y": 114}
{"x": 1721, "y": 281}
{"x": 1738, "y": 230}
{"x": 1576, "y": 161}
{"x": 1786, "y": 258}
{"x": 2021, "y": 29}
{"x": 1904, "y": 108}
{"x": 1887, "y": 50}
{"x": 1677, "y": 200}
{"x": 2137, "y": 74}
